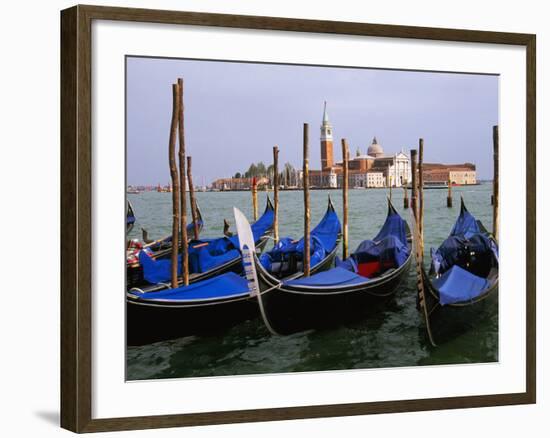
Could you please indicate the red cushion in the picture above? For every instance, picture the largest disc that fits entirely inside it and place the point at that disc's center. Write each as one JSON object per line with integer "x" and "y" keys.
{"x": 368, "y": 269}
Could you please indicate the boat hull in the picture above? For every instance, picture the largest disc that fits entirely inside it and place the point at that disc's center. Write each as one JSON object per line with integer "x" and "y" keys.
{"x": 291, "y": 309}
{"x": 452, "y": 320}
{"x": 148, "y": 323}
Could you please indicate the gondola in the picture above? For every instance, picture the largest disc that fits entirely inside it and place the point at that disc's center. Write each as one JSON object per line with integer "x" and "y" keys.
{"x": 130, "y": 217}
{"x": 207, "y": 257}
{"x": 202, "y": 307}
{"x": 370, "y": 276}
{"x": 284, "y": 260}
{"x": 157, "y": 249}
{"x": 461, "y": 286}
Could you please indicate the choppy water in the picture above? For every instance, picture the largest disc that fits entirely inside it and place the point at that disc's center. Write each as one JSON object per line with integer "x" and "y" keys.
{"x": 394, "y": 337}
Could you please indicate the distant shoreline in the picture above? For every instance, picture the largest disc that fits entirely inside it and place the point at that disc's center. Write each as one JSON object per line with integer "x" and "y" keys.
{"x": 299, "y": 189}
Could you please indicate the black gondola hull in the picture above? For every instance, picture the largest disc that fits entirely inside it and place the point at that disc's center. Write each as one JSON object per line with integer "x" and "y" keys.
{"x": 290, "y": 309}
{"x": 452, "y": 320}
{"x": 147, "y": 323}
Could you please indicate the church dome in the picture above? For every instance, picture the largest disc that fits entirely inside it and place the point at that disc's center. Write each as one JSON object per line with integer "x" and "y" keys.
{"x": 375, "y": 150}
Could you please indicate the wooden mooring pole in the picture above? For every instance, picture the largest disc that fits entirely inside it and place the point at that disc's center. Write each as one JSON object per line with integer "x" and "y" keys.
{"x": 495, "y": 182}
{"x": 414, "y": 185}
{"x": 450, "y": 194}
{"x": 405, "y": 196}
{"x": 192, "y": 198}
{"x": 345, "y": 187}
{"x": 175, "y": 184}
{"x": 418, "y": 213}
{"x": 276, "y": 193}
{"x": 421, "y": 192}
{"x": 182, "y": 189}
{"x": 254, "y": 190}
{"x": 306, "y": 257}
{"x": 388, "y": 179}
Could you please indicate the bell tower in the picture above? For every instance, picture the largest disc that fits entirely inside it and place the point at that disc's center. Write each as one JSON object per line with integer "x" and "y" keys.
{"x": 327, "y": 152}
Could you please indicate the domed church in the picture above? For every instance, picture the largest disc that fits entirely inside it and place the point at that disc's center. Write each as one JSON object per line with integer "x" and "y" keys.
{"x": 373, "y": 169}
{"x": 375, "y": 150}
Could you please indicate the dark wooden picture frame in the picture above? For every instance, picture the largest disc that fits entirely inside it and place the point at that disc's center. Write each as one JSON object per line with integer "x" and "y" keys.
{"x": 76, "y": 217}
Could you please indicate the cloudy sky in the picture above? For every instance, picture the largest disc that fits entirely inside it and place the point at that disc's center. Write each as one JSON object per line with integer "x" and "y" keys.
{"x": 236, "y": 112}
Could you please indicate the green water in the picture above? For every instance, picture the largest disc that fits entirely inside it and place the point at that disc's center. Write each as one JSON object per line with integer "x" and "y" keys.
{"x": 395, "y": 337}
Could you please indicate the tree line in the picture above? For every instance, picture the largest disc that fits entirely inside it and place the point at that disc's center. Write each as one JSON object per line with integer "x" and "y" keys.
{"x": 287, "y": 175}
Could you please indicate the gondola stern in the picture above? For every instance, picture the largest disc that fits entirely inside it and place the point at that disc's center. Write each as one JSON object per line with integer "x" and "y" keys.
{"x": 269, "y": 205}
{"x": 330, "y": 206}
{"x": 463, "y": 208}
{"x": 391, "y": 208}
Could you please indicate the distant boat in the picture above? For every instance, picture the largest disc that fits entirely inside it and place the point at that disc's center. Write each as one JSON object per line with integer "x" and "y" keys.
{"x": 434, "y": 185}
{"x": 133, "y": 191}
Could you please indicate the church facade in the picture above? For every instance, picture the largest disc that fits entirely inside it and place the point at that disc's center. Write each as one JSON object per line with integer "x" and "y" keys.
{"x": 370, "y": 170}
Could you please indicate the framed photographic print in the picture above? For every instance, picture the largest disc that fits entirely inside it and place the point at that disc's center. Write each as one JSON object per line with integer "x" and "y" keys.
{"x": 268, "y": 218}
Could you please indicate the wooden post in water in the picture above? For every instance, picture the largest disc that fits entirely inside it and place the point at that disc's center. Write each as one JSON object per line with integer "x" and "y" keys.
{"x": 450, "y": 193}
{"x": 182, "y": 189}
{"x": 306, "y": 257}
{"x": 175, "y": 184}
{"x": 405, "y": 196}
{"x": 254, "y": 189}
{"x": 414, "y": 184}
{"x": 276, "y": 193}
{"x": 495, "y": 182}
{"x": 421, "y": 192}
{"x": 421, "y": 289}
{"x": 192, "y": 199}
{"x": 345, "y": 187}
{"x": 388, "y": 179}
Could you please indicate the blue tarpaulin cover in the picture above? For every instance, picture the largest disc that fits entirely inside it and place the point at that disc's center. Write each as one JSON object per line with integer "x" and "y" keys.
{"x": 322, "y": 241}
{"x": 221, "y": 286}
{"x": 459, "y": 285}
{"x": 332, "y": 277}
{"x": 466, "y": 225}
{"x": 389, "y": 247}
{"x": 463, "y": 261}
{"x": 203, "y": 258}
{"x": 457, "y": 249}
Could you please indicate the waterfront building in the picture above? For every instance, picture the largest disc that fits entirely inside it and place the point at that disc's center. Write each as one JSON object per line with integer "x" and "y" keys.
{"x": 458, "y": 174}
{"x": 369, "y": 179}
{"x": 373, "y": 169}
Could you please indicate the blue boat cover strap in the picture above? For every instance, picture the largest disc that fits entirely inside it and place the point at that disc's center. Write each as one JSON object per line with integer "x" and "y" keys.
{"x": 221, "y": 286}
{"x": 458, "y": 285}
{"x": 332, "y": 277}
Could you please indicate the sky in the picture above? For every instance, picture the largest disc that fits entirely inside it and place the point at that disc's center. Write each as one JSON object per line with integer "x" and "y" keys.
{"x": 236, "y": 112}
